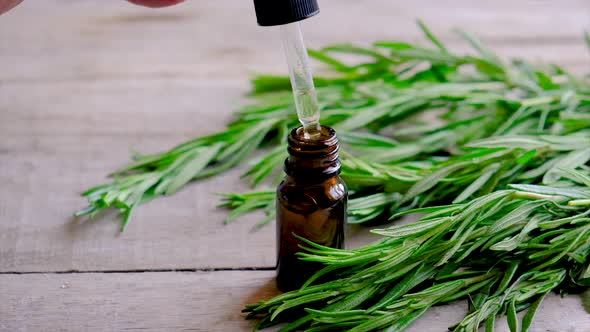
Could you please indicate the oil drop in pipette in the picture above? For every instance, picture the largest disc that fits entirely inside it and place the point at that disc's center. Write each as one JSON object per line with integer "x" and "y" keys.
{"x": 306, "y": 101}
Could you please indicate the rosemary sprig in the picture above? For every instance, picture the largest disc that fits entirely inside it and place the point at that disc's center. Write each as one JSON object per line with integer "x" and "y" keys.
{"x": 412, "y": 109}
{"x": 504, "y": 251}
{"x": 163, "y": 174}
{"x": 476, "y": 132}
{"x": 495, "y": 152}
{"x": 482, "y": 167}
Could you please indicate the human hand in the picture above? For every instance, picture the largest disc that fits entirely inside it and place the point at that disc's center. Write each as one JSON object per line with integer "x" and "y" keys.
{"x": 6, "y": 5}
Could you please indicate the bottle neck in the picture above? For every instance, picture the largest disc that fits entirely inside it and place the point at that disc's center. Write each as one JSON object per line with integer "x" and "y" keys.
{"x": 314, "y": 159}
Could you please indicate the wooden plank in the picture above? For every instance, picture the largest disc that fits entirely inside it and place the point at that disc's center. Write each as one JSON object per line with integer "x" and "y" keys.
{"x": 148, "y": 109}
{"x": 50, "y": 154}
{"x": 83, "y": 83}
{"x": 200, "y": 301}
{"x": 60, "y": 139}
{"x": 41, "y": 177}
{"x": 88, "y": 40}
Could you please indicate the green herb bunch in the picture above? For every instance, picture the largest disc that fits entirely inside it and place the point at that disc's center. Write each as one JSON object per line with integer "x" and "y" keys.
{"x": 461, "y": 127}
{"x": 427, "y": 117}
{"x": 503, "y": 251}
{"x": 503, "y": 180}
{"x": 494, "y": 152}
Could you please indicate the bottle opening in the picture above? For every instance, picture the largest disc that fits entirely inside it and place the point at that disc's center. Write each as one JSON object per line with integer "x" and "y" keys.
{"x": 313, "y": 157}
{"x": 323, "y": 136}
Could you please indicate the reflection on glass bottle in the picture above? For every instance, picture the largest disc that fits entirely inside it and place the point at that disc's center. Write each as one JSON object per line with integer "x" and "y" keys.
{"x": 311, "y": 202}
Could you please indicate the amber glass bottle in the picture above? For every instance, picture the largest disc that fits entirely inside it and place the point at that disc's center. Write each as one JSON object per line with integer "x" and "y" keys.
{"x": 311, "y": 202}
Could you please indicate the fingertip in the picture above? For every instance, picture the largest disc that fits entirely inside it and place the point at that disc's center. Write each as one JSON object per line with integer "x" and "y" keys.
{"x": 156, "y": 3}
{"x": 6, "y": 5}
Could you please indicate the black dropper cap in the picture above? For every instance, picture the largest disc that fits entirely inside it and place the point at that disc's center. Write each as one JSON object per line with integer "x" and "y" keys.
{"x": 279, "y": 12}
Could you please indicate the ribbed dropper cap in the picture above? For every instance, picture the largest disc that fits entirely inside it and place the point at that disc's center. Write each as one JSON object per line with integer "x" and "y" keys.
{"x": 279, "y": 12}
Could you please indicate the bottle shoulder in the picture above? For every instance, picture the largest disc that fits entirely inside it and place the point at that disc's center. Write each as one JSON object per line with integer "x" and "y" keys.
{"x": 333, "y": 189}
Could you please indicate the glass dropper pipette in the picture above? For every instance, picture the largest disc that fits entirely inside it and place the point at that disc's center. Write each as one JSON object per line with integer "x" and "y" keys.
{"x": 287, "y": 14}
{"x": 306, "y": 101}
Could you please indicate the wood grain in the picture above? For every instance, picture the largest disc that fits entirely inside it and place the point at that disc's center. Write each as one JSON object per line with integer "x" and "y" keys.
{"x": 182, "y": 301}
{"x": 88, "y": 40}
{"x": 48, "y": 154}
{"x": 40, "y": 176}
{"x": 83, "y": 82}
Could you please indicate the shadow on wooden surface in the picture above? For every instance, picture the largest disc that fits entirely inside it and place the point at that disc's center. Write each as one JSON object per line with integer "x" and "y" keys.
{"x": 262, "y": 293}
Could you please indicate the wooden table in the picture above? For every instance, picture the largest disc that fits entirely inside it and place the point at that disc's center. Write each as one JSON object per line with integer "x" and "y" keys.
{"x": 84, "y": 82}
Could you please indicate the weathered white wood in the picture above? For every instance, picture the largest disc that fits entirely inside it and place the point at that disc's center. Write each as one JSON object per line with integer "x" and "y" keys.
{"x": 63, "y": 138}
{"x": 92, "y": 40}
{"x": 84, "y": 82}
{"x": 39, "y": 234}
{"x": 199, "y": 301}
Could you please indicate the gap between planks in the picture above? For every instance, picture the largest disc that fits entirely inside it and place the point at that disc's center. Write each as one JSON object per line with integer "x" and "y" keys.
{"x": 255, "y": 268}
